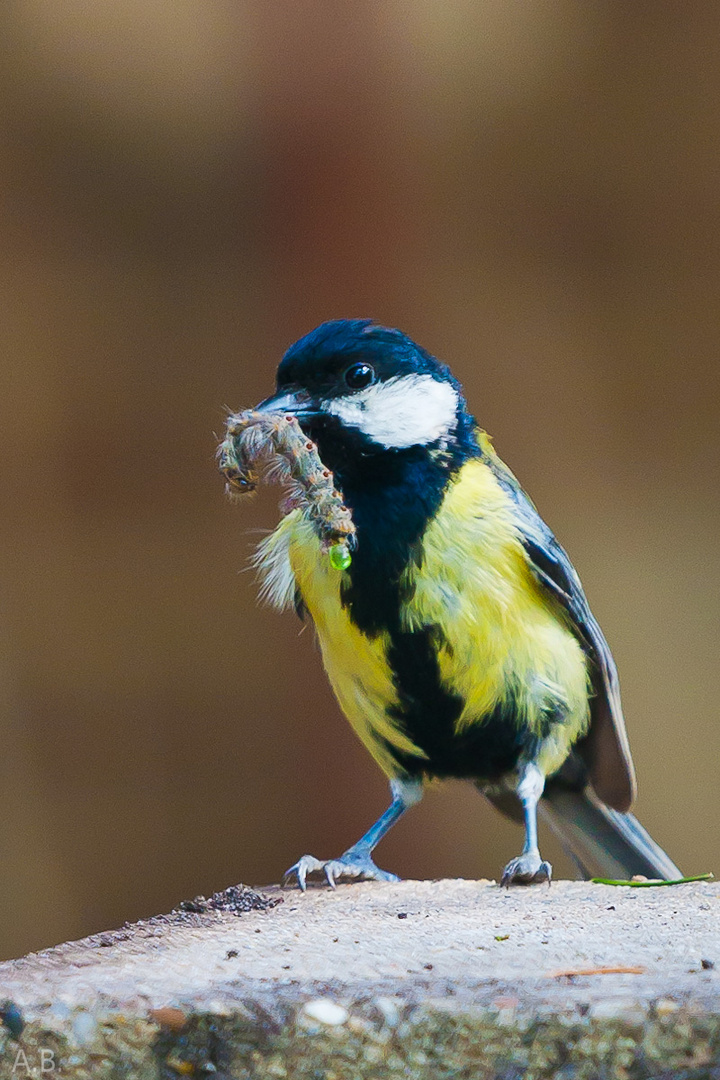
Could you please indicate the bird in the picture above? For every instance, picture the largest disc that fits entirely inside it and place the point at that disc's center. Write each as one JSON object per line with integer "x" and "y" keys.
{"x": 458, "y": 641}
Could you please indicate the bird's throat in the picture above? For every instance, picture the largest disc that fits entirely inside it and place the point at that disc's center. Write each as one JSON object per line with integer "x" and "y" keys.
{"x": 393, "y": 495}
{"x": 392, "y": 500}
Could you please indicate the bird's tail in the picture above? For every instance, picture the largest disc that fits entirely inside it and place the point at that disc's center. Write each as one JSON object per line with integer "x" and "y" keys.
{"x": 602, "y": 842}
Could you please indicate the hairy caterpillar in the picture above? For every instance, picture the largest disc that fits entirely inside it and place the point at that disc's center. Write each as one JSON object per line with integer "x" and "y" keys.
{"x": 273, "y": 447}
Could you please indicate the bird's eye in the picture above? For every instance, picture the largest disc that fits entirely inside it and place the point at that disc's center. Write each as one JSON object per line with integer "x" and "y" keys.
{"x": 359, "y": 376}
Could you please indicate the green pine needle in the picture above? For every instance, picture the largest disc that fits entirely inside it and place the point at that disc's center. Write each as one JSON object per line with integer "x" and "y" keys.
{"x": 650, "y": 884}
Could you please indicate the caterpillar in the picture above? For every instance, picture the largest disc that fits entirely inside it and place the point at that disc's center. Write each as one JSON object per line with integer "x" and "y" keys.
{"x": 273, "y": 447}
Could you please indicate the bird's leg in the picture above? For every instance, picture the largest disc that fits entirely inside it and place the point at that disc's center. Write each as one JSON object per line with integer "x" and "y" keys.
{"x": 528, "y": 866}
{"x": 356, "y": 863}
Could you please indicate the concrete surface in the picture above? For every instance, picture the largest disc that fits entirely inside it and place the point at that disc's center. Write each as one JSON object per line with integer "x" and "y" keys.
{"x": 416, "y": 979}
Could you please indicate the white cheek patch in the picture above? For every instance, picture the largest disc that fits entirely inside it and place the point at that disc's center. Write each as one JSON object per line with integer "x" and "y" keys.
{"x": 409, "y": 410}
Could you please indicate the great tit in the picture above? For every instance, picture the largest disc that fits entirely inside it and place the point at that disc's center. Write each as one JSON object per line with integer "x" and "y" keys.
{"x": 458, "y": 642}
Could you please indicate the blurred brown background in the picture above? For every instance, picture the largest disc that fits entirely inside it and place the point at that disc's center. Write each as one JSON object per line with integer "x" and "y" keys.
{"x": 530, "y": 190}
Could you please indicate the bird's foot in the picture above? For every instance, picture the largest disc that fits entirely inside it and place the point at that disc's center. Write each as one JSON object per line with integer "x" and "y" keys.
{"x": 352, "y": 866}
{"x": 526, "y": 869}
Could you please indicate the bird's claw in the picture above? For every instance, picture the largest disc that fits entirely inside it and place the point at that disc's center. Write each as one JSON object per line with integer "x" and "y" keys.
{"x": 353, "y": 866}
{"x": 526, "y": 869}
{"x": 308, "y": 864}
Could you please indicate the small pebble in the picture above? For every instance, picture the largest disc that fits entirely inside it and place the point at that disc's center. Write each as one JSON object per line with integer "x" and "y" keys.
{"x": 616, "y": 1008}
{"x": 707, "y": 965}
{"x": 326, "y": 1012}
{"x": 169, "y": 1017}
{"x": 12, "y": 1018}
{"x": 84, "y": 1027}
{"x": 182, "y": 1068}
{"x": 390, "y": 1009}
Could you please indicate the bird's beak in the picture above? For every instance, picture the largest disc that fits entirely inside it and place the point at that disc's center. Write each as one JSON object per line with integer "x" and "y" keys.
{"x": 297, "y": 403}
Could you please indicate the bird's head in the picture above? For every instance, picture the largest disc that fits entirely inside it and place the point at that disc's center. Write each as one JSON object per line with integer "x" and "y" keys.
{"x": 361, "y": 390}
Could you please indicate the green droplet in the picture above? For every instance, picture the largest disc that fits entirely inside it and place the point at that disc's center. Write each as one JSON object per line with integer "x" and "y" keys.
{"x": 340, "y": 557}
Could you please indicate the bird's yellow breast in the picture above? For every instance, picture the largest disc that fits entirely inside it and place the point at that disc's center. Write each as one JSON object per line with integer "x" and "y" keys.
{"x": 501, "y": 637}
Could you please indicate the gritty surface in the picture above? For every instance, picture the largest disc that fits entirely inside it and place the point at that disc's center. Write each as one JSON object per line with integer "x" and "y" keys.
{"x": 452, "y": 971}
{"x": 468, "y": 933}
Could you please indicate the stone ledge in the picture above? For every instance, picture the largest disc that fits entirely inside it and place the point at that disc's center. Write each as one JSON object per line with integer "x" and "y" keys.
{"x": 416, "y": 979}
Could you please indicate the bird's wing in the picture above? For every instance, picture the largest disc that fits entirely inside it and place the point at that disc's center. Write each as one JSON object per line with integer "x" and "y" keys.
{"x": 605, "y": 748}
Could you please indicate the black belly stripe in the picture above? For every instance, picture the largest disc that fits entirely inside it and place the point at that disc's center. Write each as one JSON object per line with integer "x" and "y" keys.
{"x": 427, "y": 713}
{"x": 390, "y": 519}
